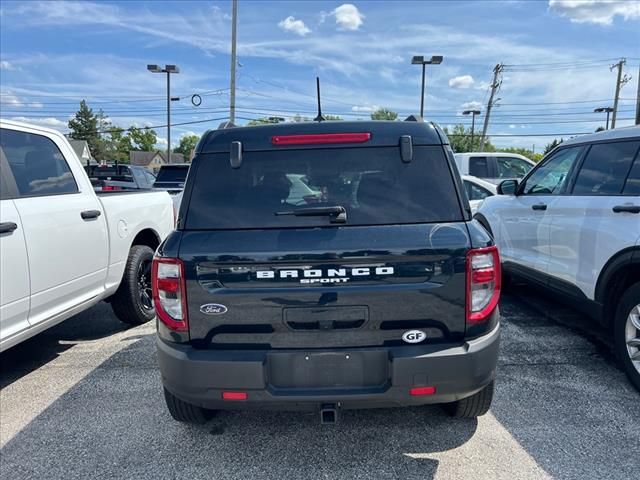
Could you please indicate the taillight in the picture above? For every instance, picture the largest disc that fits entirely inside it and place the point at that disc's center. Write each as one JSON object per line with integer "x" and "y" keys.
{"x": 110, "y": 188}
{"x": 169, "y": 293}
{"x": 483, "y": 283}
{"x": 321, "y": 138}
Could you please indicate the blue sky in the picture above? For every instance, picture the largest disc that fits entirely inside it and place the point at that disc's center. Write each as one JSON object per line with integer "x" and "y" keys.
{"x": 557, "y": 52}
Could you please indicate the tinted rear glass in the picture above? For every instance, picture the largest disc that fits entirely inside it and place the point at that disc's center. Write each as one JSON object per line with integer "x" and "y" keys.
{"x": 373, "y": 185}
{"x": 605, "y": 169}
{"x": 479, "y": 167}
{"x": 174, "y": 174}
{"x": 632, "y": 186}
{"x": 109, "y": 172}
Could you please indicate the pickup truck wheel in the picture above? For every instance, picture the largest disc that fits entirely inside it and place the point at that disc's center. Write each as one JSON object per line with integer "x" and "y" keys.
{"x": 626, "y": 332}
{"x": 133, "y": 302}
{"x": 473, "y": 406}
{"x": 186, "y": 412}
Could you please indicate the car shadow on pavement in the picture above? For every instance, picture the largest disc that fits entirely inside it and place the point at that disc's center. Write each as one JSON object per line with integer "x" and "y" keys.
{"x": 114, "y": 423}
{"x": 560, "y": 394}
{"x": 95, "y": 323}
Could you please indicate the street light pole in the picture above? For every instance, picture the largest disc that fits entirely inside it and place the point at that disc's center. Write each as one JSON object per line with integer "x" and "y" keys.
{"x": 608, "y": 110}
{"x": 168, "y": 69}
{"x": 168, "y": 118}
{"x": 424, "y": 68}
{"x": 473, "y": 114}
{"x": 419, "y": 60}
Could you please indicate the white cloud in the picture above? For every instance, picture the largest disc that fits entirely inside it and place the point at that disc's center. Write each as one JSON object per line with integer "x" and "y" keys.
{"x": 47, "y": 122}
{"x": 36, "y": 105}
{"x": 471, "y": 106}
{"x": 348, "y": 17}
{"x": 161, "y": 142}
{"x": 389, "y": 74}
{"x": 600, "y": 12}
{"x": 4, "y": 65}
{"x": 364, "y": 108}
{"x": 290, "y": 24}
{"x": 9, "y": 100}
{"x": 462, "y": 81}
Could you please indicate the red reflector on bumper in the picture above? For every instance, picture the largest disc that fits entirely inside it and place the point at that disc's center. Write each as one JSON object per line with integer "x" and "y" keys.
{"x": 422, "y": 391}
{"x": 234, "y": 395}
{"x": 320, "y": 138}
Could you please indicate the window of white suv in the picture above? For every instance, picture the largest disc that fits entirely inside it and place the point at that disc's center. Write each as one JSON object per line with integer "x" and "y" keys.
{"x": 606, "y": 168}
{"x": 512, "y": 167}
{"x": 550, "y": 177}
{"x": 632, "y": 185}
{"x": 479, "y": 167}
{"x": 476, "y": 192}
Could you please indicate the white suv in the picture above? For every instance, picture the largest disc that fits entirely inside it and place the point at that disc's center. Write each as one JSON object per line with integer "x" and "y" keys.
{"x": 493, "y": 164}
{"x": 572, "y": 225}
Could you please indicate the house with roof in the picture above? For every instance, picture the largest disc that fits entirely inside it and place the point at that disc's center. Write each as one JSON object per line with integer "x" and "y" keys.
{"x": 153, "y": 160}
{"x": 81, "y": 147}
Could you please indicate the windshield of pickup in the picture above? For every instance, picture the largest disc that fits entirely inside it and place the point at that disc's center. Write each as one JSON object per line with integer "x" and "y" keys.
{"x": 373, "y": 185}
{"x": 174, "y": 174}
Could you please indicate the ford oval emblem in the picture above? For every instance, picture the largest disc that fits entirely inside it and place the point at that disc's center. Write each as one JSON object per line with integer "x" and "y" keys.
{"x": 213, "y": 309}
{"x": 414, "y": 336}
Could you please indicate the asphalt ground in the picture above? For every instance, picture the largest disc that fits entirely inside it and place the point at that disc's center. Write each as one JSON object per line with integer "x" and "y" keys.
{"x": 84, "y": 400}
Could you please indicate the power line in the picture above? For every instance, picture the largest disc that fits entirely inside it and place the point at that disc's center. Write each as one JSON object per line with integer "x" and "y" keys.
{"x": 121, "y": 98}
{"x": 568, "y": 62}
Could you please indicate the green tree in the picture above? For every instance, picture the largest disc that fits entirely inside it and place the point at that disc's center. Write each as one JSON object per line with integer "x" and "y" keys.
{"x": 297, "y": 118}
{"x": 186, "y": 146}
{"x": 384, "y": 114}
{"x": 460, "y": 139}
{"x": 332, "y": 117}
{"x": 84, "y": 126}
{"x": 118, "y": 145}
{"x": 552, "y": 145}
{"x": 536, "y": 157}
{"x": 263, "y": 121}
{"x": 143, "y": 139}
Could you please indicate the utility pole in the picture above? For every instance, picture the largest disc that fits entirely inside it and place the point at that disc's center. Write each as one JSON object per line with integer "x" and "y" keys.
{"x": 619, "y": 83}
{"x": 232, "y": 93}
{"x": 495, "y": 85}
{"x": 473, "y": 114}
{"x": 638, "y": 99}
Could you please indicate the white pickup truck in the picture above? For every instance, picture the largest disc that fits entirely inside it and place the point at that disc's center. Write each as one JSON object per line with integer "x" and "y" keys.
{"x": 64, "y": 248}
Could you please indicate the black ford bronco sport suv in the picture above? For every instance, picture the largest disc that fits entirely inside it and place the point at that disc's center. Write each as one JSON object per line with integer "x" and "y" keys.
{"x": 323, "y": 266}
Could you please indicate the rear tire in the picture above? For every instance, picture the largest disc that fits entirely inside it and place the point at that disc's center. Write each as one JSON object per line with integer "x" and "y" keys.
{"x": 186, "y": 412}
{"x": 626, "y": 333}
{"x": 132, "y": 303}
{"x": 473, "y": 406}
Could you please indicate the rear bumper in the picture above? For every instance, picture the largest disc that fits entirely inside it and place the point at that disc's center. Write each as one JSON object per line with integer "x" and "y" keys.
{"x": 200, "y": 376}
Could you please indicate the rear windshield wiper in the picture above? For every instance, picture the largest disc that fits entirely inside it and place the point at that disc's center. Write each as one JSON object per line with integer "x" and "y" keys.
{"x": 337, "y": 214}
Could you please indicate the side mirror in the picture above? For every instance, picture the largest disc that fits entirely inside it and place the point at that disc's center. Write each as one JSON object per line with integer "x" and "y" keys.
{"x": 508, "y": 187}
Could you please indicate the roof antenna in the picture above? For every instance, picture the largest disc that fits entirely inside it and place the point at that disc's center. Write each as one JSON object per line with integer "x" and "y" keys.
{"x": 319, "y": 118}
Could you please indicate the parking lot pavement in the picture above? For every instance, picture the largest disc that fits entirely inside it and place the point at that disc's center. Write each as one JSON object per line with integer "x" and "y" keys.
{"x": 83, "y": 400}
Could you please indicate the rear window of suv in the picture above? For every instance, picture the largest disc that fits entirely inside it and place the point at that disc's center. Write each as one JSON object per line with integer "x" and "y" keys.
{"x": 372, "y": 184}
{"x": 172, "y": 174}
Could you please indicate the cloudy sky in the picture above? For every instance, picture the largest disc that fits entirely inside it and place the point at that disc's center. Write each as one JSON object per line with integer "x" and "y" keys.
{"x": 556, "y": 53}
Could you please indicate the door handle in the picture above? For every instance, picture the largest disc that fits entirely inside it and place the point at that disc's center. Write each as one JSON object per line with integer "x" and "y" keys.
{"x": 89, "y": 214}
{"x": 627, "y": 208}
{"x": 8, "y": 227}
{"x": 539, "y": 206}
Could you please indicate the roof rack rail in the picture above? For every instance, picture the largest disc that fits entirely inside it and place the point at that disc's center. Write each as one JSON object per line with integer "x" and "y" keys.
{"x": 414, "y": 118}
{"x": 226, "y": 124}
